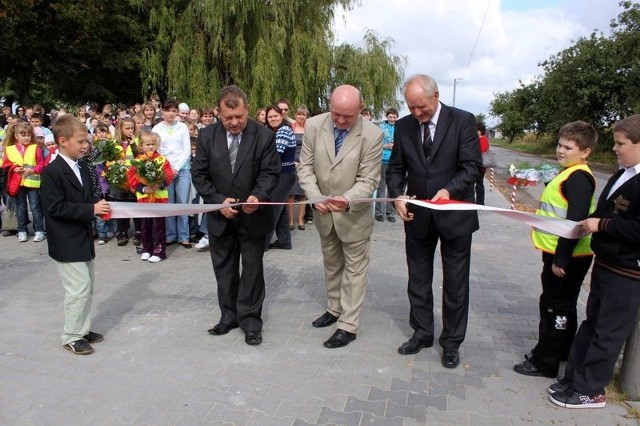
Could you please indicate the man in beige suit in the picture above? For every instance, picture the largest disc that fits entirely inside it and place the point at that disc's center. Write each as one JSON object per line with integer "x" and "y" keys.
{"x": 340, "y": 157}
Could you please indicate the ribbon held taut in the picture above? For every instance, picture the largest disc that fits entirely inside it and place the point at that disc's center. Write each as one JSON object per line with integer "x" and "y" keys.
{"x": 561, "y": 227}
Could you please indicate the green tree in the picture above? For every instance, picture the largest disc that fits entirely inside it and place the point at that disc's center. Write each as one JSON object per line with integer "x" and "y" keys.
{"x": 514, "y": 110}
{"x": 269, "y": 48}
{"x": 372, "y": 68}
{"x": 71, "y": 50}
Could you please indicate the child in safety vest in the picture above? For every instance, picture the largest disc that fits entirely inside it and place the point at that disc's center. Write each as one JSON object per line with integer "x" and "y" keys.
{"x": 149, "y": 176}
{"x": 24, "y": 161}
{"x": 125, "y": 135}
{"x": 565, "y": 262}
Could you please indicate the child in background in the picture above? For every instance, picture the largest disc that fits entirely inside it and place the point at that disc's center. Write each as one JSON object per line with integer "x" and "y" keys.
{"x": 52, "y": 148}
{"x": 23, "y": 161}
{"x": 565, "y": 262}
{"x": 613, "y": 302}
{"x": 106, "y": 228}
{"x": 153, "y": 229}
{"x": 139, "y": 120}
{"x": 69, "y": 209}
{"x": 125, "y": 135}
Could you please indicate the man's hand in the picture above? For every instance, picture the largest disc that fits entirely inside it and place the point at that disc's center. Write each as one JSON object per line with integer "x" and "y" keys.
{"x": 337, "y": 204}
{"x": 443, "y": 194}
{"x": 590, "y": 225}
{"x": 101, "y": 207}
{"x": 323, "y": 208}
{"x": 401, "y": 208}
{"x": 229, "y": 212}
{"x": 248, "y": 209}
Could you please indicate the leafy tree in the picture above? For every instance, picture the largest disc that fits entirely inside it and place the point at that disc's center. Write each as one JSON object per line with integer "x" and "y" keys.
{"x": 514, "y": 110}
{"x": 269, "y": 48}
{"x": 71, "y": 50}
{"x": 597, "y": 80}
{"x": 372, "y": 68}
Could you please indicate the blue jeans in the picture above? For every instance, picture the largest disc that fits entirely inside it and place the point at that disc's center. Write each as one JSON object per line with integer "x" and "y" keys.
{"x": 105, "y": 227}
{"x": 33, "y": 196}
{"x": 178, "y": 226}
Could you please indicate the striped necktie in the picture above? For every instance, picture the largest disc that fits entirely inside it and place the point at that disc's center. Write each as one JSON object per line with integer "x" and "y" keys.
{"x": 340, "y": 139}
{"x": 233, "y": 151}
{"x": 427, "y": 142}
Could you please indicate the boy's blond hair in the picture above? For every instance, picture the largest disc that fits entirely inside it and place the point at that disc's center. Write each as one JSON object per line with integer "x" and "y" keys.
{"x": 66, "y": 126}
{"x": 580, "y": 132}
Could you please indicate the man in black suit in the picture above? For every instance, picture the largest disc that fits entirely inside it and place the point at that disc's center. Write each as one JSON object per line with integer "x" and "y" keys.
{"x": 236, "y": 161}
{"x": 69, "y": 208}
{"x": 436, "y": 153}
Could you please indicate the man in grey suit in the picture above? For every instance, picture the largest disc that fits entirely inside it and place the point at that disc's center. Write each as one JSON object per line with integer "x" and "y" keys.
{"x": 236, "y": 160}
{"x": 436, "y": 153}
{"x": 340, "y": 157}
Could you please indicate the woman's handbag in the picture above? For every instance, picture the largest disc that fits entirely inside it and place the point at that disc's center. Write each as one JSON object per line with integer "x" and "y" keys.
{"x": 9, "y": 216}
{"x": 488, "y": 159}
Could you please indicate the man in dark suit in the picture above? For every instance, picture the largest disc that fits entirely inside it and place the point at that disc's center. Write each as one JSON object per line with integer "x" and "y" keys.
{"x": 236, "y": 161}
{"x": 69, "y": 208}
{"x": 436, "y": 153}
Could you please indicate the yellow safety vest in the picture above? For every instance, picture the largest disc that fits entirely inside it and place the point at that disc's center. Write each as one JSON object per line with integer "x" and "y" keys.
{"x": 162, "y": 194}
{"x": 553, "y": 204}
{"x": 28, "y": 160}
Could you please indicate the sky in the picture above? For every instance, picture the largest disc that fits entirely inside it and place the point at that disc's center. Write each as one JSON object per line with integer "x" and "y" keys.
{"x": 438, "y": 37}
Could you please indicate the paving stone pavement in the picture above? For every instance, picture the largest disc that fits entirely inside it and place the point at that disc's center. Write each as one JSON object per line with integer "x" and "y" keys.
{"x": 158, "y": 366}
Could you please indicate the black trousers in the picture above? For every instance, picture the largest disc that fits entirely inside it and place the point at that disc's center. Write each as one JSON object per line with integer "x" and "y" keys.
{"x": 240, "y": 295}
{"x": 456, "y": 260}
{"x": 558, "y": 314}
{"x": 612, "y": 309}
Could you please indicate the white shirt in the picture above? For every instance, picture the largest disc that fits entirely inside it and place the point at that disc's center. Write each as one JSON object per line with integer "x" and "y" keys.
{"x": 175, "y": 144}
{"x": 74, "y": 166}
{"x": 628, "y": 174}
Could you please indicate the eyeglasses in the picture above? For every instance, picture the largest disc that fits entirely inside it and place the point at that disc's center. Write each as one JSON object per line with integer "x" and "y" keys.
{"x": 20, "y": 110}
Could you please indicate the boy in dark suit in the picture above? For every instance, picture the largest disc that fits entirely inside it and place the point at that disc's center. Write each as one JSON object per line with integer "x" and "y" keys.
{"x": 69, "y": 208}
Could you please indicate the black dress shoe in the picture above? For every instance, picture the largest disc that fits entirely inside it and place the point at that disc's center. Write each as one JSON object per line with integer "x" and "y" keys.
{"x": 391, "y": 219}
{"x": 325, "y": 320}
{"x": 253, "y": 338}
{"x": 221, "y": 328}
{"x": 339, "y": 339}
{"x": 413, "y": 346}
{"x": 528, "y": 369}
{"x": 450, "y": 358}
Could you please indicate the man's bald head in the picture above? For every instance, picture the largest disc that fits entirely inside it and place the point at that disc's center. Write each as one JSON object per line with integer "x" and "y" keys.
{"x": 345, "y": 105}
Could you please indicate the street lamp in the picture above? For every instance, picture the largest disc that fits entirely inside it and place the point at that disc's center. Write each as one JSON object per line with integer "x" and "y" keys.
{"x": 455, "y": 81}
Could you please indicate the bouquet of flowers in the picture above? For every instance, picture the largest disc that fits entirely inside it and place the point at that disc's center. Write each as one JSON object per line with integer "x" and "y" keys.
{"x": 148, "y": 170}
{"x": 110, "y": 151}
{"x": 115, "y": 174}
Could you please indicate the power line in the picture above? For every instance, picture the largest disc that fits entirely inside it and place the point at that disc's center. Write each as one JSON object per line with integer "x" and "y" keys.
{"x": 477, "y": 37}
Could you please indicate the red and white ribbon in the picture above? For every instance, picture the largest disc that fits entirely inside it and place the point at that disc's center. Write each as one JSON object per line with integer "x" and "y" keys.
{"x": 561, "y": 227}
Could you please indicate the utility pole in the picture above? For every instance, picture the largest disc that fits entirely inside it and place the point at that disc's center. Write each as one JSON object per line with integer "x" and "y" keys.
{"x": 455, "y": 81}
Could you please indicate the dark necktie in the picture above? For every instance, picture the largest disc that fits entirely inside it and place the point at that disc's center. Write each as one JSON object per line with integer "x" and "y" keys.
{"x": 427, "y": 142}
{"x": 340, "y": 139}
{"x": 233, "y": 151}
